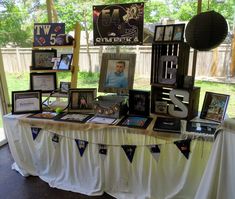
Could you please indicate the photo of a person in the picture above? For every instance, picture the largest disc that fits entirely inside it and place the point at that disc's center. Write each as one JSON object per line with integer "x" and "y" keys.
{"x": 65, "y": 61}
{"x": 159, "y": 33}
{"x": 83, "y": 103}
{"x": 168, "y": 33}
{"x": 178, "y": 33}
{"x": 116, "y": 75}
{"x": 139, "y": 102}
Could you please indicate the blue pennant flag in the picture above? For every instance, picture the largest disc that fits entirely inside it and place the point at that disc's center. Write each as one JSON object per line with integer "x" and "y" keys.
{"x": 81, "y": 144}
{"x": 130, "y": 151}
{"x": 56, "y": 138}
{"x": 184, "y": 146}
{"x": 155, "y": 150}
{"x": 35, "y": 131}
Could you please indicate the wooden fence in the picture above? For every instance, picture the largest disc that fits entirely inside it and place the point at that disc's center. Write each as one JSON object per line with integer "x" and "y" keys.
{"x": 210, "y": 63}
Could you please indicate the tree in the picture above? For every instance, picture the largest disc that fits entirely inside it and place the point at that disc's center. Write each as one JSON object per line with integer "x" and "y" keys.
{"x": 13, "y": 30}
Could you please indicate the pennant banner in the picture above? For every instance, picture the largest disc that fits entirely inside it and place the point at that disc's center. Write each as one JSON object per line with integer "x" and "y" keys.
{"x": 130, "y": 151}
{"x": 155, "y": 150}
{"x": 35, "y": 131}
{"x": 81, "y": 144}
{"x": 55, "y": 138}
{"x": 184, "y": 146}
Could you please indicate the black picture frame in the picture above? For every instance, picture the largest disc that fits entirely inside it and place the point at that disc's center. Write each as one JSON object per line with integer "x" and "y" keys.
{"x": 46, "y": 82}
{"x": 73, "y": 117}
{"x": 169, "y": 33}
{"x": 42, "y": 59}
{"x": 139, "y": 102}
{"x": 178, "y": 33}
{"x": 26, "y": 102}
{"x": 110, "y": 62}
{"x": 65, "y": 62}
{"x": 64, "y": 87}
{"x": 214, "y": 106}
{"x": 81, "y": 99}
{"x": 140, "y": 122}
{"x": 43, "y": 115}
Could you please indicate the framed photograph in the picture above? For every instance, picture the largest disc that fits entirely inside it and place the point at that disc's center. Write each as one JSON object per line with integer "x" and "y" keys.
{"x": 43, "y": 115}
{"x": 26, "y": 102}
{"x": 117, "y": 73}
{"x": 73, "y": 117}
{"x": 81, "y": 99}
{"x": 214, "y": 106}
{"x": 168, "y": 32}
{"x": 178, "y": 33}
{"x": 135, "y": 122}
{"x": 56, "y": 61}
{"x": 159, "y": 33}
{"x": 139, "y": 102}
{"x": 42, "y": 59}
{"x": 46, "y": 82}
{"x": 64, "y": 87}
{"x": 65, "y": 62}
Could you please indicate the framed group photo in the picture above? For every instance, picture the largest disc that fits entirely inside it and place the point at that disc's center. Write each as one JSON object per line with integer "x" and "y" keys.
{"x": 117, "y": 73}
{"x": 81, "y": 100}
{"x": 46, "y": 82}
{"x": 214, "y": 106}
{"x": 169, "y": 33}
{"x": 42, "y": 59}
{"x": 139, "y": 102}
{"x": 26, "y": 102}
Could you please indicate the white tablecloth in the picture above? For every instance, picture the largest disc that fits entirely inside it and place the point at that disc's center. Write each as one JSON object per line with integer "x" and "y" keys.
{"x": 172, "y": 176}
{"x": 218, "y": 180}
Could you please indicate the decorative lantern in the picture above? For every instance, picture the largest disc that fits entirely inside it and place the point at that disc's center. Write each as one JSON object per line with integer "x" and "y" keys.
{"x": 206, "y": 31}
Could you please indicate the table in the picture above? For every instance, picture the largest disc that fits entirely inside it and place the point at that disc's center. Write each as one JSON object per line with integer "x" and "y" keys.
{"x": 62, "y": 166}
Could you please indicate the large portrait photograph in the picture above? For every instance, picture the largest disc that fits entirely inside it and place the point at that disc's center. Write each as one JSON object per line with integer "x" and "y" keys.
{"x": 117, "y": 73}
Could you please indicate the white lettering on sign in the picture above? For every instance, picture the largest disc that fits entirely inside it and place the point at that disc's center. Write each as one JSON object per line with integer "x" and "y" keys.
{"x": 44, "y": 28}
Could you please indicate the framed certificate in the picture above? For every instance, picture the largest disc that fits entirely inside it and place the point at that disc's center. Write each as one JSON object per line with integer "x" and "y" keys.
{"x": 46, "y": 82}
{"x": 26, "y": 102}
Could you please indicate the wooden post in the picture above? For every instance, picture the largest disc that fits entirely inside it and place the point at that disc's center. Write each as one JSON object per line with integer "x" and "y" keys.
{"x": 4, "y": 97}
{"x": 232, "y": 65}
{"x": 76, "y": 51}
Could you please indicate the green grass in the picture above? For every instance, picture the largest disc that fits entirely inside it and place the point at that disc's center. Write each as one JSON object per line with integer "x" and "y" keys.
{"x": 85, "y": 80}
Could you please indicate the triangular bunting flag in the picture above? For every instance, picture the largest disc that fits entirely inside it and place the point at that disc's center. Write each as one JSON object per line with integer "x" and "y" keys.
{"x": 56, "y": 138}
{"x": 103, "y": 151}
{"x": 35, "y": 131}
{"x": 81, "y": 144}
{"x": 184, "y": 146}
{"x": 155, "y": 150}
{"x": 130, "y": 151}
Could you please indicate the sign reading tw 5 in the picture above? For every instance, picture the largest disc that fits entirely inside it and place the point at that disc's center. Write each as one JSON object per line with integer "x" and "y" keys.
{"x": 46, "y": 34}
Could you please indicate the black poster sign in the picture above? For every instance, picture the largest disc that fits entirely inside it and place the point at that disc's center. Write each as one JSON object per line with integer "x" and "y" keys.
{"x": 119, "y": 24}
{"x": 45, "y": 34}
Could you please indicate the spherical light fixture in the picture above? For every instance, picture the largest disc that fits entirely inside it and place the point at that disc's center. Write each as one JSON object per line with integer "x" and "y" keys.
{"x": 206, "y": 31}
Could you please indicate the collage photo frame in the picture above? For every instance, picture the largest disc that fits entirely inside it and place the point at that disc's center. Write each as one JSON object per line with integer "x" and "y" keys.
{"x": 169, "y": 33}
